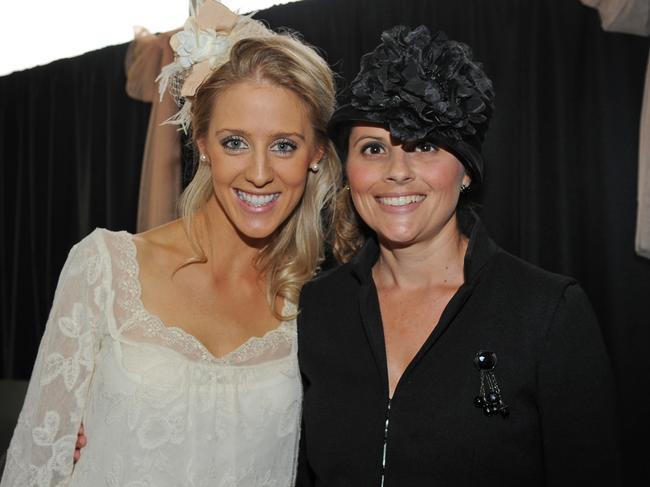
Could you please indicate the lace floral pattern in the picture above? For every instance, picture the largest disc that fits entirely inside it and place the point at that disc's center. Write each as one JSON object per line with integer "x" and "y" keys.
{"x": 158, "y": 408}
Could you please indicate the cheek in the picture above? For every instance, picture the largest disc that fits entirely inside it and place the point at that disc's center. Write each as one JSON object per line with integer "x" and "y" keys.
{"x": 360, "y": 177}
{"x": 445, "y": 178}
{"x": 221, "y": 173}
{"x": 297, "y": 175}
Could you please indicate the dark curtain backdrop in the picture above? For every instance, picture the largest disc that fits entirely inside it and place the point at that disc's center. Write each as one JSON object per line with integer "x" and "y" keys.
{"x": 561, "y": 158}
{"x": 71, "y": 144}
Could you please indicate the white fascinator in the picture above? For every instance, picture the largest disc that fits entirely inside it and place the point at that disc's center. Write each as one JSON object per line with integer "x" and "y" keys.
{"x": 201, "y": 47}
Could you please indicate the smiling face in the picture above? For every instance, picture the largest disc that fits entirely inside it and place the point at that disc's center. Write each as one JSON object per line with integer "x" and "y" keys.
{"x": 406, "y": 195}
{"x": 260, "y": 144}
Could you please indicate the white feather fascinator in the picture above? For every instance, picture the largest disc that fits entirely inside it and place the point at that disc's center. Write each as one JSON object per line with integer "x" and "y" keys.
{"x": 200, "y": 48}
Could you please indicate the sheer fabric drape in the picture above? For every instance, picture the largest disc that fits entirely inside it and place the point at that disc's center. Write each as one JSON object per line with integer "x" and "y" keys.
{"x": 160, "y": 180}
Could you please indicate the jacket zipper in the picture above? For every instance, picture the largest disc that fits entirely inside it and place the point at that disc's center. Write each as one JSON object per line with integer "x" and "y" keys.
{"x": 383, "y": 455}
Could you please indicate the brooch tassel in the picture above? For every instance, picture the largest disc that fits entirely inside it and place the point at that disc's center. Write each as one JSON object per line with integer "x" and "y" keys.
{"x": 489, "y": 398}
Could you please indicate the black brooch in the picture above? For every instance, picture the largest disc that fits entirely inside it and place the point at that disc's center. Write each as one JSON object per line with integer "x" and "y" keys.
{"x": 489, "y": 398}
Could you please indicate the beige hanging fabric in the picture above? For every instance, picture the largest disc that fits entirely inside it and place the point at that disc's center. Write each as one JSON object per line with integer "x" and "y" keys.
{"x": 633, "y": 17}
{"x": 160, "y": 179}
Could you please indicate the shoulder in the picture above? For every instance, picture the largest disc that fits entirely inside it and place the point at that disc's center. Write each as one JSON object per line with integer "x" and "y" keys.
{"x": 333, "y": 281}
{"x": 93, "y": 254}
{"x": 99, "y": 239}
{"x": 518, "y": 274}
{"x": 106, "y": 245}
{"x": 528, "y": 293}
{"x": 92, "y": 246}
{"x": 87, "y": 269}
{"x": 325, "y": 305}
{"x": 164, "y": 247}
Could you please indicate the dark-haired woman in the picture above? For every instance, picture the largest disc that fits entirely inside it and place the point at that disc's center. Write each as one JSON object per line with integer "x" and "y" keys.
{"x": 432, "y": 356}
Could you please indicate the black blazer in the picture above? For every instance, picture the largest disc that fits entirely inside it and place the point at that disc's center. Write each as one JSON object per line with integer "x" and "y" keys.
{"x": 553, "y": 373}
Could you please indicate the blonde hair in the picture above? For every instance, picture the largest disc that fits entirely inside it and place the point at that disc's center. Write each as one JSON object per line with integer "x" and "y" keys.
{"x": 291, "y": 259}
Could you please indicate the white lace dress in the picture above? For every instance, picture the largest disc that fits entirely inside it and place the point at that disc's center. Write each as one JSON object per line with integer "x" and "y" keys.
{"x": 158, "y": 409}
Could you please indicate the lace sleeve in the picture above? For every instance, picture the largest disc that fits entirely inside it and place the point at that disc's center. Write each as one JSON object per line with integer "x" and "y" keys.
{"x": 40, "y": 453}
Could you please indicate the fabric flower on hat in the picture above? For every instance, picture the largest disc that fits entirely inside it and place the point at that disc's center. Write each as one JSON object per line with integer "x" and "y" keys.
{"x": 193, "y": 45}
{"x": 420, "y": 84}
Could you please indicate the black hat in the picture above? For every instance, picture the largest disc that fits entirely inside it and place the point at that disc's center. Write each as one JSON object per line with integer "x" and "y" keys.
{"x": 422, "y": 87}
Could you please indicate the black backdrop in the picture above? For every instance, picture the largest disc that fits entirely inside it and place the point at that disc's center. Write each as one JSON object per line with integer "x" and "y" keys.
{"x": 561, "y": 158}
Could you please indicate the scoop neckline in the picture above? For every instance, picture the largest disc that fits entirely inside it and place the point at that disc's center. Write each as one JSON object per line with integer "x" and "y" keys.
{"x": 173, "y": 328}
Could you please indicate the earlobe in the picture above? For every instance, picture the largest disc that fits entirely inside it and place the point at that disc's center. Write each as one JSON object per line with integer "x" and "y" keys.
{"x": 320, "y": 155}
{"x": 200, "y": 144}
{"x": 203, "y": 156}
{"x": 320, "y": 158}
{"x": 464, "y": 185}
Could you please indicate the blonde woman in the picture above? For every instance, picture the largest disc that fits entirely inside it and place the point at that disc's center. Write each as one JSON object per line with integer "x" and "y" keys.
{"x": 176, "y": 348}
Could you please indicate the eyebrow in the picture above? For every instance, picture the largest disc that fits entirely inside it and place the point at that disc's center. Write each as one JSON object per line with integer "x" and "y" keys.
{"x": 371, "y": 137}
{"x": 276, "y": 135}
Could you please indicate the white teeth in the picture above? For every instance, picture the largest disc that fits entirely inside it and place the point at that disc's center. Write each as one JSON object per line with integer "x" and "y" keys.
{"x": 401, "y": 200}
{"x": 257, "y": 199}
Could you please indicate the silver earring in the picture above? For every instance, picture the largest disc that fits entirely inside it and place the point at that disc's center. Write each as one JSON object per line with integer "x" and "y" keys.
{"x": 463, "y": 188}
{"x": 203, "y": 158}
{"x": 315, "y": 167}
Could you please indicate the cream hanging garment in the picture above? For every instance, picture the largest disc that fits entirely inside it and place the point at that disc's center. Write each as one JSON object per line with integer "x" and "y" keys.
{"x": 633, "y": 17}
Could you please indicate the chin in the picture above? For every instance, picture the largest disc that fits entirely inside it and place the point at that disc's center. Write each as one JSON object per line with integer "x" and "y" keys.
{"x": 262, "y": 228}
{"x": 255, "y": 226}
{"x": 401, "y": 238}
{"x": 257, "y": 233}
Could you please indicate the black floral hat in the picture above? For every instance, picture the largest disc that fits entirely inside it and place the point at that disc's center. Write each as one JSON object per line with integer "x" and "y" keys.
{"x": 422, "y": 86}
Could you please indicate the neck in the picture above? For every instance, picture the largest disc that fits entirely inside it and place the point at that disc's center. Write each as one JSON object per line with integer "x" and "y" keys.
{"x": 228, "y": 252}
{"x": 436, "y": 261}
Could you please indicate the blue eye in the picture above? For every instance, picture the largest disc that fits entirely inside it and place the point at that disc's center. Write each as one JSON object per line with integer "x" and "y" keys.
{"x": 284, "y": 146}
{"x": 234, "y": 144}
{"x": 426, "y": 147}
{"x": 372, "y": 149}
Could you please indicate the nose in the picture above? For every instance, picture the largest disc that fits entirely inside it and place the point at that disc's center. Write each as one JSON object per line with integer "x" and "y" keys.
{"x": 399, "y": 168}
{"x": 259, "y": 172}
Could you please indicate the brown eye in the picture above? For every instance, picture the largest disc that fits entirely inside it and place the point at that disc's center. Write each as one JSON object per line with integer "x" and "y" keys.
{"x": 426, "y": 147}
{"x": 372, "y": 149}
